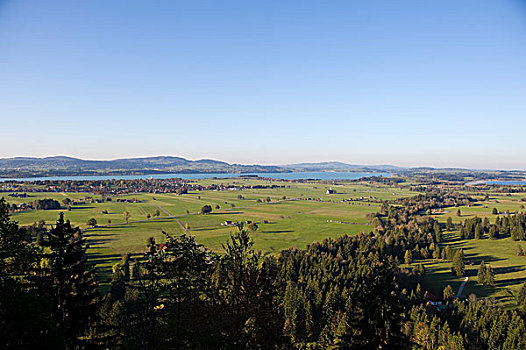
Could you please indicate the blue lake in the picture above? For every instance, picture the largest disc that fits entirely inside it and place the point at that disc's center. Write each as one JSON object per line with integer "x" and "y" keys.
{"x": 506, "y": 183}
{"x": 499, "y": 182}
{"x": 284, "y": 176}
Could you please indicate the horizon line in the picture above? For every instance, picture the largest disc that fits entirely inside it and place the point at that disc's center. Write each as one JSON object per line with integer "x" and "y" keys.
{"x": 268, "y": 164}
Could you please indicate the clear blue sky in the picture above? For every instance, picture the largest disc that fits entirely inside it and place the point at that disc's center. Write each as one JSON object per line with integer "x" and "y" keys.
{"x": 440, "y": 83}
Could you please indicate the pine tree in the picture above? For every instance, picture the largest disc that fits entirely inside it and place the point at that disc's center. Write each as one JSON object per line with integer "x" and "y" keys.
{"x": 485, "y": 225}
{"x": 71, "y": 283}
{"x": 458, "y": 266}
{"x": 493, "y": 233}
{"x": 408, "y": 257}
{"x": 478, "y": 231}
{"x": 521, "y": 297}
{"x": 449, "y": 252}
{"x": 448, "y": 294}
{"x": 490, "y": 277}
{"x": 449, "y": 224}
{"x": 25, "y": 312}
{"x": 515, "y": 233}
{"x": 438, "y": 232}
{"x": 519, "y": 251}
{"x": 481, "y": 274}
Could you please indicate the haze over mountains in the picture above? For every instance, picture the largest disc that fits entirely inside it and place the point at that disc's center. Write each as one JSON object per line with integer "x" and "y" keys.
{"x": 19, "y": 167}
{"x": 63, "y": 165}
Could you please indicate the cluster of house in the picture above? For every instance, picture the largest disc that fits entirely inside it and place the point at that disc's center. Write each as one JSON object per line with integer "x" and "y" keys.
{"x": 366, "y": 199}
{"x": 24, "y": 206}
{"x": 118, "y": 187}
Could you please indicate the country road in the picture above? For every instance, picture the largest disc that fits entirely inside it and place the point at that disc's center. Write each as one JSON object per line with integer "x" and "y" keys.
{"x": 170, "y": 216}
{"x": 176, "y": 219}
{"x": 462, "y": 287}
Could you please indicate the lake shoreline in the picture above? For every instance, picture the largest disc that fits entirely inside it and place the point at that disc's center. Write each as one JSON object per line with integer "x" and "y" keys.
{"x": 321, "y": 175}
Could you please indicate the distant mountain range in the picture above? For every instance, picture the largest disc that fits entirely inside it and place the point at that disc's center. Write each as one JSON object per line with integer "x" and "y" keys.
{"x": 20, "y": 167}
{"x": 339, "y": 166}
{"x": 69, "y": 166}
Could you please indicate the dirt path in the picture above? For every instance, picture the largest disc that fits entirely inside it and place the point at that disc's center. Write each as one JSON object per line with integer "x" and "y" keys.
{"x": 175, "y": 218}
{"x": 462, "y": 287}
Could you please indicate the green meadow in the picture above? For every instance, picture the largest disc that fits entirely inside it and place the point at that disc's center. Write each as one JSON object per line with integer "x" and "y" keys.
{"x": 510, "y": 269}
{"x": 297, "y": 215}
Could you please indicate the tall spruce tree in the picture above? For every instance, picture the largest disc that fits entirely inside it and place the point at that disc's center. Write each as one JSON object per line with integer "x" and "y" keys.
{"x": 458, "y": 266}
{"x": 25, "y": 312}
{"x": 448, "y": 294}
{"x": 521, "y": 297}
{"x": 482, "y": 273}
{"x": 449, "y": 224}
{"x": 70, "y": 282}
{"x": 490, "y": 277}
{"x": 408, "y": 257}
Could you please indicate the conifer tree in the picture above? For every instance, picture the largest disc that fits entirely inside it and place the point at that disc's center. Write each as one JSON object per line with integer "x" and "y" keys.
{"x": 493, "y": 233}
{"x": 519, "y": 251}
{"x": 408, "y": 257}
{"x": 438, "y": 232}
{"x": 482, "y": 273}
{"x": 70, "y": 282}
{"x": 449, "y": 252}
{"x": 478, "y": 231}
{"x": 521, "y": 297}
{"x": 449, "y": 224}
{"x": 25, "y": 312}
{"x": 490, "y": 277}
{"x": 448, "y": 294}
{"x": 458, "y": 266}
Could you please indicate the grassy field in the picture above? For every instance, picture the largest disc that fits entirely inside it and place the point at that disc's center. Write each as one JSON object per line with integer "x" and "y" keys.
{"x": 510, "y": 270}
{"x": 297, "y": 215}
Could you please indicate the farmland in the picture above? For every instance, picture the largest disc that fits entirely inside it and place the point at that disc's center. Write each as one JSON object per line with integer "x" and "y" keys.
{"x": 293, "y": 215}
{"x": 296, "y": 215}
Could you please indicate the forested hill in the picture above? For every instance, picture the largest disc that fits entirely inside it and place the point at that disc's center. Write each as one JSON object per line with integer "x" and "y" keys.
{"x": 19, "y": 167}
{"x": 61, "y": 165}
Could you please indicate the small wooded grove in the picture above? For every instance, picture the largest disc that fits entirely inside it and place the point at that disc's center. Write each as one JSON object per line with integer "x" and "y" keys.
{"x": 344, "y": 293}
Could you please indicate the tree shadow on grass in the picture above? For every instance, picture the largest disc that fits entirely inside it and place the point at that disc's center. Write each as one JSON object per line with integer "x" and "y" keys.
{"x": 103, "y": 264}
{"x": 97, "y": 242}
{"x": 91, "y": 236}
{"x": 91, "y": 231}
{"x": 160, "y": 220}
{"x": 98, "y": 258}
{"x": 206, "y": 228}
{"x": 476, "y": 259}
{"x": 510, "y": 281}
{"x": 227, "y": 213}
{"x": 508, "y": 269}
{"x": 278, "y": 231}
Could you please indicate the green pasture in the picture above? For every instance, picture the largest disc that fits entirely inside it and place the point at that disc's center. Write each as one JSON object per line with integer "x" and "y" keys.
{"x": 297, "y": 215}
{"x": 510, "y": 270}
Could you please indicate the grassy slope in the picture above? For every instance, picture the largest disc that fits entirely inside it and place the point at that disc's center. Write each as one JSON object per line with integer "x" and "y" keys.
{"x": 509, "y": 269}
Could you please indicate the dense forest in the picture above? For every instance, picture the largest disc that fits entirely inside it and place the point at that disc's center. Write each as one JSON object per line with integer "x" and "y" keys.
{"x": 342, "y": 293}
